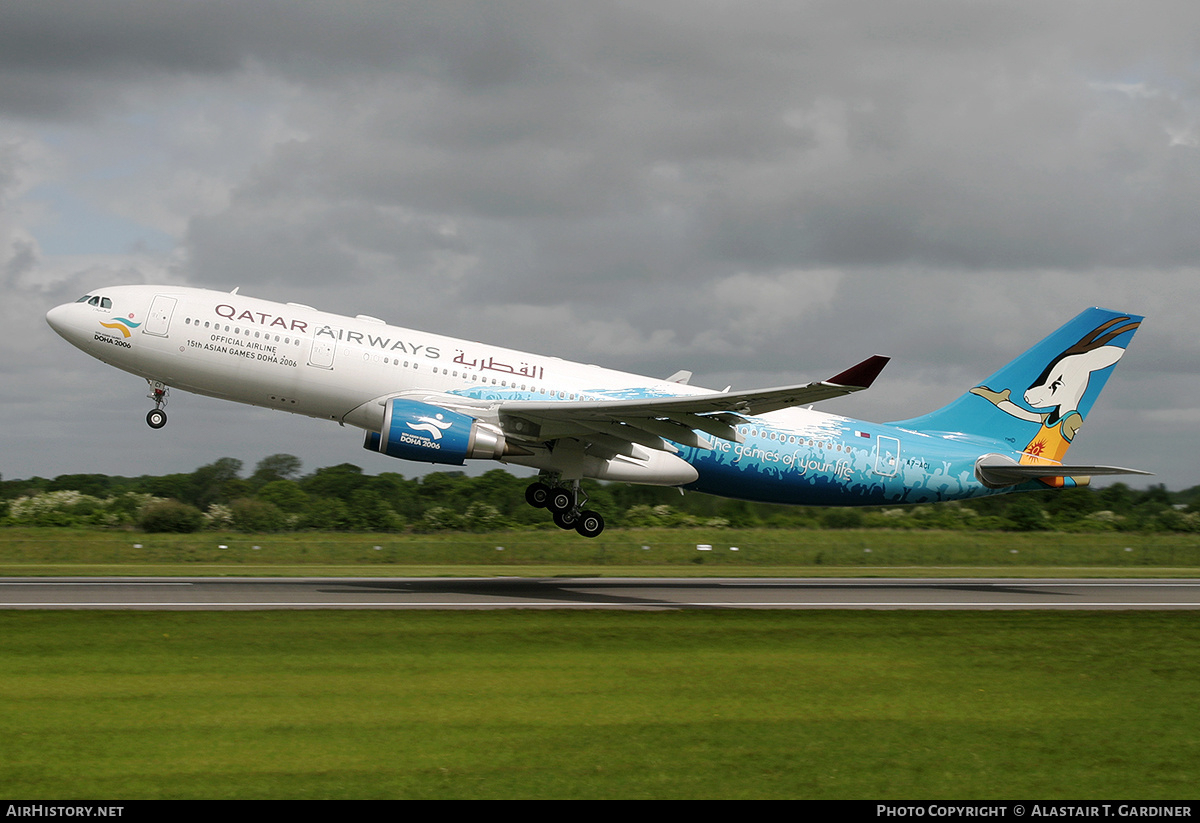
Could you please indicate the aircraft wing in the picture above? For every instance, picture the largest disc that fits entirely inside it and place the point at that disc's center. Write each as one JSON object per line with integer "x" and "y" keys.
{"x": 651, "y": 422}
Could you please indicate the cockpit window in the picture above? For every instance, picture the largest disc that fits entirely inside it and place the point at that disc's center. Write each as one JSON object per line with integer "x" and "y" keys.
{"x": 84, "y": 299}
{"x": 105, "y": 303}
{"x": 95, "y": 301}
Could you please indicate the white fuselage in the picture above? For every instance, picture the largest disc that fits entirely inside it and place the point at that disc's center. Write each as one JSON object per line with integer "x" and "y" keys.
{"x": 297, "y": 359}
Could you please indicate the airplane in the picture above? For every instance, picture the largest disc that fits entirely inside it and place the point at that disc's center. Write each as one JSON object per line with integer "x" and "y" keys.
{"x": 440, "y": 400}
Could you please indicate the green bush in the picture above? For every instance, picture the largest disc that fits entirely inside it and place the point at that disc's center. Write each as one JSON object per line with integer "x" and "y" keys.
{"x": 1025, "y": 515}
{"x": 171, "y": 516}
{"x": 57, "y": 508}
{"x": 326, "y": 514}
{"x": 251, "y": 515}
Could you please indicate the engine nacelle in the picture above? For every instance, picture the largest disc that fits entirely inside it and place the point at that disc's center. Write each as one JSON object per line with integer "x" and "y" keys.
{"x": 432, "y": 434}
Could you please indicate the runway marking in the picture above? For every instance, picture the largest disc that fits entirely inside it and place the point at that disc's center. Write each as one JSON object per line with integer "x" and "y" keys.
{"x": 966, "y": 581}
{"x": 458, "y": 604}
{"x": 88, "y": 583}
{"x": 906, "y": 594}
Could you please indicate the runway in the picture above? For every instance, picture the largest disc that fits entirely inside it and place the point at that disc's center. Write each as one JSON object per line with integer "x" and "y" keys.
{"x": 201, "y": 593}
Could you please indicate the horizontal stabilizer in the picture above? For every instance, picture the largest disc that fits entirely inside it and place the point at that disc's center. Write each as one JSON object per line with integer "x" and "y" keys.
{"x": 996, "y": 471}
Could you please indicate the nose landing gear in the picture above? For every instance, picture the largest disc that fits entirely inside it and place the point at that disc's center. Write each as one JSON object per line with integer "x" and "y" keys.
{"x": 566, "y": 505}
{"x": 156, "y": 418}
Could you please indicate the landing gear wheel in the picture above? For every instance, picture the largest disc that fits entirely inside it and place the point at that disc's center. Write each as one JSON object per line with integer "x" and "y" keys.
{"x": 537, "y": 495}
{"x": 565, "y": 503}
{"x": 590, "y": 524}
{"x": 156, "y": 418}
{"x": 566, "y": 520}
{"x": 561, "y": 500}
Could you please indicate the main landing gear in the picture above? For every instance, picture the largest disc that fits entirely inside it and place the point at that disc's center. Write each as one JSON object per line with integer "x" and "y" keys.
{"x": 156, "y": 418}
{"x": 566, "y": 506}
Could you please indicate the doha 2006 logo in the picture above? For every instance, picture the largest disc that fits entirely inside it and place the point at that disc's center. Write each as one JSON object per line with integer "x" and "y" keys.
{"x": 120, "y": 324}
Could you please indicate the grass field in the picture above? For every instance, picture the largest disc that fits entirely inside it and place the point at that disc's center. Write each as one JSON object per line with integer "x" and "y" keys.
{"x": 524, "y": 704}
{"x": 662, "y": 551}
{"x": 519, "y": 704}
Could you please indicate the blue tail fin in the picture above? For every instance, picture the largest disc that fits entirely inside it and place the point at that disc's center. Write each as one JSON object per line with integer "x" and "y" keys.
{"x": 1037, "y": 402}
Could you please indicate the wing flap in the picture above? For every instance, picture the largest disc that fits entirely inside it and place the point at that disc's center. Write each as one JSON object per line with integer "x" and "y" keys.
{"x": 670, "y": 429}
{"x": 630, "y": 434}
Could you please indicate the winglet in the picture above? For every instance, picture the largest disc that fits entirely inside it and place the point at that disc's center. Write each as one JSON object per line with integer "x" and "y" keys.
{"x": 862, "y": 375}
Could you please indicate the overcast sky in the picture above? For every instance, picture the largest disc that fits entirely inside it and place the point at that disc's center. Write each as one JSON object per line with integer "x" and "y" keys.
{"x": 760, "y": 192}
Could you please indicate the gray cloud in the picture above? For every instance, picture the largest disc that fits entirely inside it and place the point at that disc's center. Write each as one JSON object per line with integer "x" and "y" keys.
{"x": 755, "y": 192}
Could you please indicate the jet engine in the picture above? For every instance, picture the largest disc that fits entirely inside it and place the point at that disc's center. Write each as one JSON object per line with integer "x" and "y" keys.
{"x": 431, "y": 434}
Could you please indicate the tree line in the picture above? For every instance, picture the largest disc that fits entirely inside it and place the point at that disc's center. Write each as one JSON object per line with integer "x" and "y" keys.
{"x": 276, "y": 496}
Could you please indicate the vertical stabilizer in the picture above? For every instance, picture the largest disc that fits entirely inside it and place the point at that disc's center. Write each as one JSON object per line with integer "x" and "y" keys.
{"x": 1036, "y": 404}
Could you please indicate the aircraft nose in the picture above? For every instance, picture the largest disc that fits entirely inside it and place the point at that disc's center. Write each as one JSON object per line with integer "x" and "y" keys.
{"x": 64, "y": 319}
{"x": 57, "y": 318}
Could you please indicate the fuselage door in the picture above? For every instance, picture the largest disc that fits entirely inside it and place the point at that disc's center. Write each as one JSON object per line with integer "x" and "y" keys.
{"x": 159, "y": 320}
{"x": 323, "y": 347}
{"x": 887, "y": 456}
